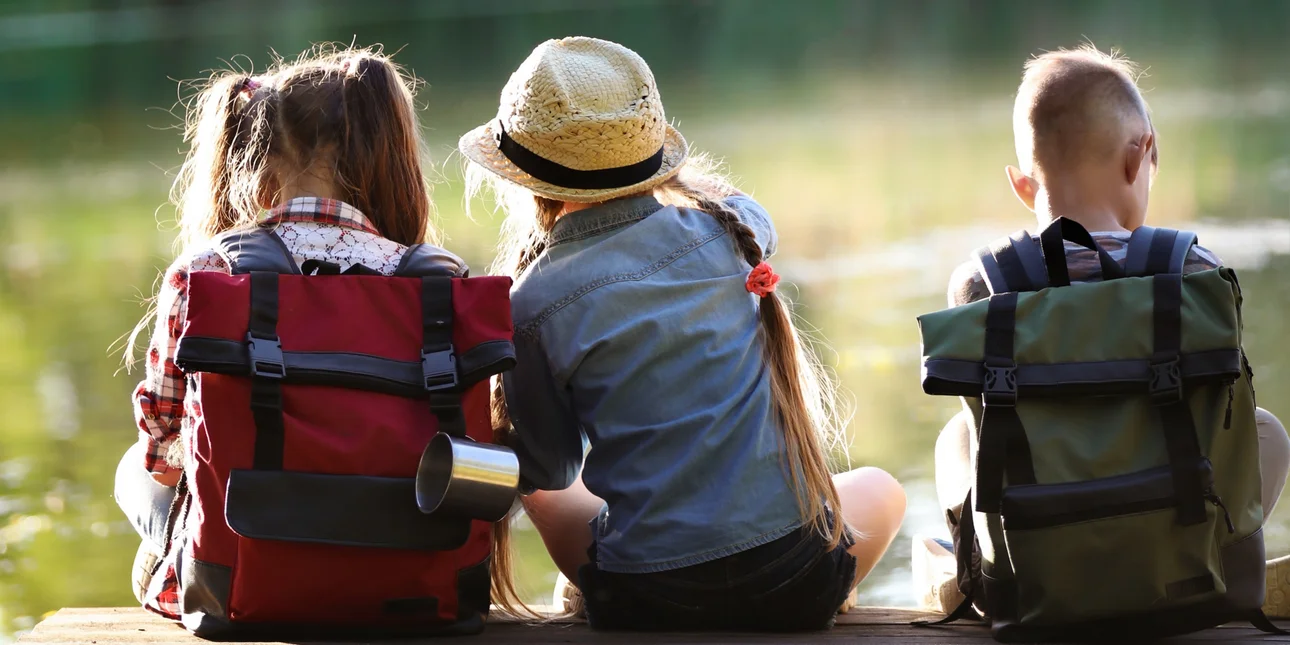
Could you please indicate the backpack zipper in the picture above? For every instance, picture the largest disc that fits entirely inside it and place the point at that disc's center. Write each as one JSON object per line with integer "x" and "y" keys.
{"x": 1249, "y": 375}
{"x": 1227, "y": 416}
{"x": 1217, "y": 501}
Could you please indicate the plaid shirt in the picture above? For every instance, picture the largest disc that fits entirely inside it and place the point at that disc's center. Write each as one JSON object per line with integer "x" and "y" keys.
{"x": 312, "y": 229}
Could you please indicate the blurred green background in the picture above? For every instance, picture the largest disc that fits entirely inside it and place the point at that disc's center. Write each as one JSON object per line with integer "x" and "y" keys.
{"x": 875, "y": 132}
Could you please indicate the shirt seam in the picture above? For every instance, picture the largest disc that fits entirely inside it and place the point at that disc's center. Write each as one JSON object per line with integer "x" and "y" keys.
{"x": 529, "y": 328}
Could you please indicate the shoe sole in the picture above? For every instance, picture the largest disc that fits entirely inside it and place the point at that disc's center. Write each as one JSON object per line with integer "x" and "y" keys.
{"x": 934, "y": 575}
{"x": 1276, "y": 602}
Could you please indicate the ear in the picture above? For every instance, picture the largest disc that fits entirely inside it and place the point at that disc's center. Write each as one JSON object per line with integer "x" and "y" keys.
{"x": 1139, "y": 151}
{"x": 1022, "y": 186}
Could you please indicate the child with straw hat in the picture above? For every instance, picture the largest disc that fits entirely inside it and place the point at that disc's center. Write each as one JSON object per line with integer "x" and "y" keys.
{"x": 648, "y": 325}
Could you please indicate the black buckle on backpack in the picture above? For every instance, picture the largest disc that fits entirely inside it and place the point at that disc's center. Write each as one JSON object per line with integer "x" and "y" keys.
{"x": 1000, "y": 386}
{"x": 266, "y": 357}
{"x": 439, "y": 369}
{"x": 1166, "y": 382}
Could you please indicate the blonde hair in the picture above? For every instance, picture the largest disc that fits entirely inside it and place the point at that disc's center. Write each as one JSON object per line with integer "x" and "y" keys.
{"x": 1075, "y": 104}
{"x": 803, "y": 394}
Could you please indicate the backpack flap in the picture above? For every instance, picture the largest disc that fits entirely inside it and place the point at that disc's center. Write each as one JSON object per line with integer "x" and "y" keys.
{"x": 329, "y": 345}
{"x": 1063, "y": 344}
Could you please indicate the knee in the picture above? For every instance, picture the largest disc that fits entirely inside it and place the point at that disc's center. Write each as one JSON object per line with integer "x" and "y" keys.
{"x": 955, "y": 441}
{"x": 1274, "y": 444}
{"x": 884, "y": 495}
{"x": 128, "y": 472}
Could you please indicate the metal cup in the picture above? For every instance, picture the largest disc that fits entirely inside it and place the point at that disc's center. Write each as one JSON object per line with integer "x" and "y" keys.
{"x": 460, "y": 476}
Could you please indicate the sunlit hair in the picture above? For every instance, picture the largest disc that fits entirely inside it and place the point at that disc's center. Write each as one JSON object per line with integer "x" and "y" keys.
{"x": 345, "y": 115}
{"x": 1075, "y": 104}
{"x": 803, "y": 393}
{"x": 342, "y": 114}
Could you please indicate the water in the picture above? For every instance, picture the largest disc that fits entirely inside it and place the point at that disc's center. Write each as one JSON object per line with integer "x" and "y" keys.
{"x": 882, "y": 175}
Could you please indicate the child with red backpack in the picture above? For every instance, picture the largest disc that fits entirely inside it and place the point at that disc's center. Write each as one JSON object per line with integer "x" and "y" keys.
{"x": 308, "y": 344}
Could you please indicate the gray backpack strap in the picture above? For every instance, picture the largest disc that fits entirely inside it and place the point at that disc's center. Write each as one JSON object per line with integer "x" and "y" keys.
{"x": 256, "y": 249}
{"x": 1135, "y": 263}
{"x": 426, "y": 260}
{"x": 989, "y": 269}
{"x": 1158, "y": 251}
{"x": 1182, "y": 247}
{"x": 1031, "y": 258}
{"x": 1012, "y": 264}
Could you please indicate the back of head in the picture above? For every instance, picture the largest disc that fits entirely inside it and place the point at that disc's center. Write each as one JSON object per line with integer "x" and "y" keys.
{"x": 1076, "y": 107}
{"x": 344, "y": 115}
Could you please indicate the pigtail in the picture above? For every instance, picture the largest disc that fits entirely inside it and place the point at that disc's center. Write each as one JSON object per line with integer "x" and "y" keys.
{"x": 216, "y": 189}
{"x": 502, "y": 570}
{"x": 379, "y": 158}
{"x": 803, "y": 395}
{"x": 523, "y": 239}
{"x": 210, "y": 191}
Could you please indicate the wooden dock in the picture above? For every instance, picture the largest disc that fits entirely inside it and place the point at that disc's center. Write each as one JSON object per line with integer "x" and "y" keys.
{"x": 862, "y": 626}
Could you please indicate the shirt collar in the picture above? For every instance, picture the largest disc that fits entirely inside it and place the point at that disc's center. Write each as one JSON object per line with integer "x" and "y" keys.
{"x": 319, "y": 211}
{"x": 603, "y": 218}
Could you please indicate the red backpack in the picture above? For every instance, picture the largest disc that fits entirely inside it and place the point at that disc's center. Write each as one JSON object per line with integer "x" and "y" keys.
{"x": 312, "y": 398}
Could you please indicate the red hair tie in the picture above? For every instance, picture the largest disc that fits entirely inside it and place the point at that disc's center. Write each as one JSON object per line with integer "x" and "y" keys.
{"x": 249, "y": 86}
{"x": 762, "y": 280}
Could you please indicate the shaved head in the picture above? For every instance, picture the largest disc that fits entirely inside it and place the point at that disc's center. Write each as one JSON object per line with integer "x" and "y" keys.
{"x": 1076, "y": 107}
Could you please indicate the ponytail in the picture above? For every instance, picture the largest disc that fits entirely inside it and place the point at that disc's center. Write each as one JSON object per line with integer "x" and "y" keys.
{"x": 211, "y": 192}
{"x": 802, "y": 393}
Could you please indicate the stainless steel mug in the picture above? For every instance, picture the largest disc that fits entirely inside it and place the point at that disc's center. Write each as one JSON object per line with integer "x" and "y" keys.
{"x": 460, "y": 476}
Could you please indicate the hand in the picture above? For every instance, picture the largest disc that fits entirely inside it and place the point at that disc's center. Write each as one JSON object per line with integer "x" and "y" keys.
{"x": 169, "y": 479}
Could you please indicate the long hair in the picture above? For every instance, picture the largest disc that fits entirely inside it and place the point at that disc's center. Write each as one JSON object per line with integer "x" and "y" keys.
{"x": 804, "y": 395}
{"x": 344, "y": 115}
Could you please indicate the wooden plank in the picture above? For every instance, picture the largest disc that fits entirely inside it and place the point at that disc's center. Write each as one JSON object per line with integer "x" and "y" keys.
{"x": 865, "y": 625}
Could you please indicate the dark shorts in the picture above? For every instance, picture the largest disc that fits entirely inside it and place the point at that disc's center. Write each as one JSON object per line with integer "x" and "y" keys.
{"x": 791, "y": 584}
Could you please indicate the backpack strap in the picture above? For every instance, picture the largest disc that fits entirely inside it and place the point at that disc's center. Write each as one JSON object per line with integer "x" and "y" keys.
{"x": 438, "y": 357}
{"x": 437, "y": 267}
{"x": 255, "y": 249}
{"x": 1168, "y": 398}
{"x": 422, "y": 260}
{"x": 1260, "y": 622}
{"x": 1158, "y": 250}
{"x": 261, "y": 253}
{"x": 1002, "y": 443}
{"x": 1013, "y": 263}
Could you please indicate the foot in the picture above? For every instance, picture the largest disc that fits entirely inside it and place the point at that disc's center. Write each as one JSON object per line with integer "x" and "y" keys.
{"x": 567, "y": 599}
{"x": 145, "y": 566}
{"x": 851, "y": 601}
{"x": 1276, "y": 602}
{"x": 935, "y": 574}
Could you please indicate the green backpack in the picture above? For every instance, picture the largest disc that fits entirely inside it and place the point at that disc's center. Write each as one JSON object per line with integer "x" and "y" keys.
{"x": 1117, "y": 469}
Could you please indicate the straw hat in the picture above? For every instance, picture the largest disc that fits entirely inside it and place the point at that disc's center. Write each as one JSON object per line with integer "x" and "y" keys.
{"x": 579, "y": 121}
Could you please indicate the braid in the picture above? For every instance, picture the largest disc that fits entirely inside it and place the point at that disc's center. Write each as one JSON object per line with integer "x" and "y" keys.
{"x": 742, "y": 235}
{"x": 803, "y": 397}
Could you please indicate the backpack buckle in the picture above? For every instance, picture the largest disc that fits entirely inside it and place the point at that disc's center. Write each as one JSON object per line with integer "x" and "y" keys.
{"x": 1166, "y": 382}
{"x": 266, "y": 357}
{"x": 1000, "y": 386}
{"x": 439, "y": 369}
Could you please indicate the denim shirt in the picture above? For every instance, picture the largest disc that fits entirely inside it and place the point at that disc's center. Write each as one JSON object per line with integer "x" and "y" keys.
{"x": 634, "y": 332}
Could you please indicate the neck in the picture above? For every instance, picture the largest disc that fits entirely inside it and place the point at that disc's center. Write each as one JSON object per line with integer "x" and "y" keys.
{"x": 1093, "y": 216}
{"x": 307, "y": 184}
{"x": 573, "y": 207}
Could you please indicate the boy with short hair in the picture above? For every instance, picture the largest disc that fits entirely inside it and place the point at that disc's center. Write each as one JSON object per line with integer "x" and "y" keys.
{"x": 1086, "y": 151}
